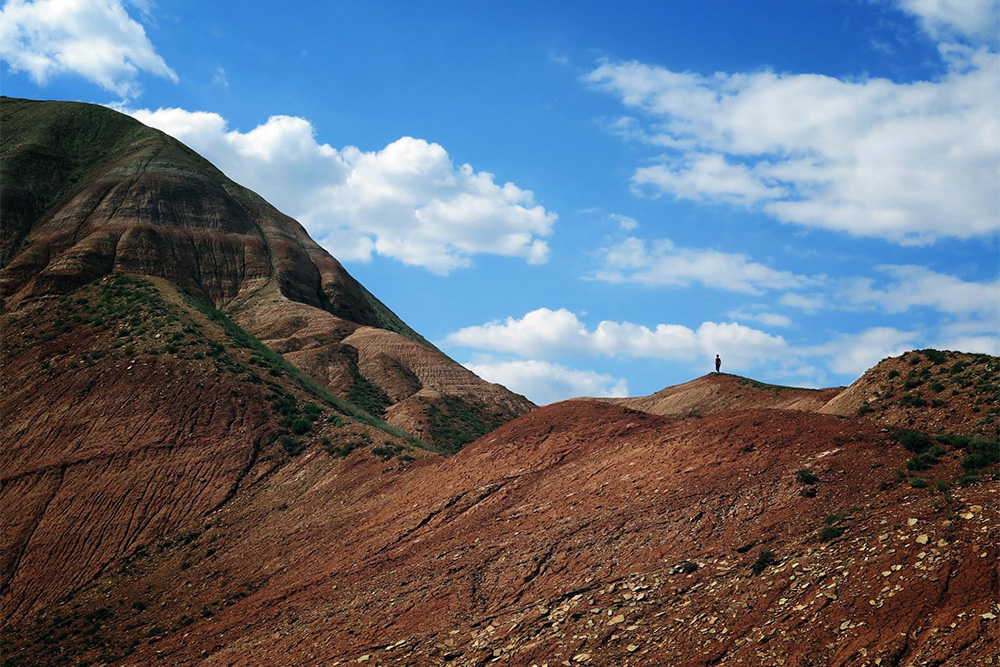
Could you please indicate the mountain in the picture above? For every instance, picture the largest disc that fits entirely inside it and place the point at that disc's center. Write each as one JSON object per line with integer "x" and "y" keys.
{"x": 88, "y": 192}
{"x": 187, "y": 477}
{"x": 133, "y": 402}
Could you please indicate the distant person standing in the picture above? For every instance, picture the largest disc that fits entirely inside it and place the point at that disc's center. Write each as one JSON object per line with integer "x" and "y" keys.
{"x": 718, "y": 363}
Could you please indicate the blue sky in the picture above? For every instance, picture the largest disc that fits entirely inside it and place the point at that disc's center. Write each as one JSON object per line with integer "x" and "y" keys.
{"x": 587, "y": 199}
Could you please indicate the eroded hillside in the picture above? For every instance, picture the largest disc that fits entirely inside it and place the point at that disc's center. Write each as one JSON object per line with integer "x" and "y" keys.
{"x": 88, "y": 192}
{"x": 582, "y": 532}
{"x": 129, "y": 410}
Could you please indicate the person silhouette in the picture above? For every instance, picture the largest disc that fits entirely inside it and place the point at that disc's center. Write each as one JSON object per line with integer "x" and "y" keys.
{"x": 718, "y": 363}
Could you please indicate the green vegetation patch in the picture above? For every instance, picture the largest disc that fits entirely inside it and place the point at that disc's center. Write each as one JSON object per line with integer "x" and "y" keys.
{"x": 455, "y": 423}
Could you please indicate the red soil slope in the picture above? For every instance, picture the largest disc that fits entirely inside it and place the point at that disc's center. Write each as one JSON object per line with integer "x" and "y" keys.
{"x": 127, "y": 414}
{"x": 566, "y": 536}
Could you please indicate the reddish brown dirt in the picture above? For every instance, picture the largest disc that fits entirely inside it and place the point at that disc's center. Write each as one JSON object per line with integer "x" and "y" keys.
{"x": 111, "y": 447}
{"x": 560, "y": 537}
{"x": 723, "y": 391}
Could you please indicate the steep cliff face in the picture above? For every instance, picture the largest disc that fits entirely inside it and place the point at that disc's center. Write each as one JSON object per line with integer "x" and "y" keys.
{"x": 88, "y": 192}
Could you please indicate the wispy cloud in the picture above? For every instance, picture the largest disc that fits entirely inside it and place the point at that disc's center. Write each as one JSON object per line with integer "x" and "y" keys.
{"x": 660, "y": 262}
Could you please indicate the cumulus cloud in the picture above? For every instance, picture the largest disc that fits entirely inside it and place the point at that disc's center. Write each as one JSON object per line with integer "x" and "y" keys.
{"x": 908, "y": 162}
{"x": 948, "y": 19}
{"x": 408, "y": 201}
{"x": 660, "y": 262}
{"x": 853, "y": 354}
{"x": 553, "y": 334}
{"x": 545, "y": 382}
{"x": 95, "y": 39}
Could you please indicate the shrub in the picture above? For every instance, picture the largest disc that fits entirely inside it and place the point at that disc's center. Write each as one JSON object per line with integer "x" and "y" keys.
{"x": 830, "y": 533}
{"x": 912, "y": 401}
{"x": 893, "y": 374}
{"x": 918, "y": 483}
{"x": 764, "y": 560}
{"x": 915, "y": 441}
{"x": 935, "y": 356}
{"x": 937, "y": 387}
{"x": 912, "y": 384}
{"x": 300, "y": 426}
{"x": 925, "y": 460}
{"x": 865, "y": 409}
{"x": 806, "y": 476}
{"x": 966, "y": 480}
{"x": 687, "y": 567}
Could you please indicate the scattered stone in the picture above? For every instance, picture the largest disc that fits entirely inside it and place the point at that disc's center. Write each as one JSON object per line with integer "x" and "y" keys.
{"x": 922, "y": 539}
{"x": 631, "y": 648}
{"x": 911, "y": 522}
{"x": 615, "y": 620}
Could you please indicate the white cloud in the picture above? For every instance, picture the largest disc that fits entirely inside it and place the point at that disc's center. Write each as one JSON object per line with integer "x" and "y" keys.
{"x": 702, "y": 177}
{"x": 95, "y": 39}
{"x": 663, "y": 263}
{"x": 625, "y": 223}
{"x": 853, "y": 354}
{"x": 947, "y": 19}
{"x": 408, "y": 201}
{"x": 919, "y": 286}
{"x": 549, "y": 334}
{"x": 544, "y": 382}
{"x": 908, "y": 162}
{"x": 764, "y": 317}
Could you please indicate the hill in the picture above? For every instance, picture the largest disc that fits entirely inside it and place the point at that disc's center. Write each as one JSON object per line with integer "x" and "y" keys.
{"x": 724, "y": 391}
{"x": 928, "y": 390}
{"x": 195, "y": 471}
{"x": 582, "y": 532}
{"x": 88, "y": 192}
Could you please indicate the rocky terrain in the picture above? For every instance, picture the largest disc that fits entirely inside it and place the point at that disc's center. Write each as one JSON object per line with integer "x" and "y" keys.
{"x": 584, "y": 533}
{"x": 195, "y": 471}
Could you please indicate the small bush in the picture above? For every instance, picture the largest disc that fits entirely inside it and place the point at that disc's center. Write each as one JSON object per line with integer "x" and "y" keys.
{"x": 806, "y": 476}
{"x": 935, "y": 356}
{"x": 830, "y": 533}
{"x": 865, "y": 409}
{"x": 918, "y": 483}
{"x": 893, "y": 374}
{"x": 915, "y": 441}
{"x": 937, "y": 387}
{"x": 913, "y": 401}
{"x": 764, "y": 560}
{"x": 687, "y": 567}
{"x": 300, "y": 426}
{"x": 968, "y": 479}
{"x": 925, "y": 460}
